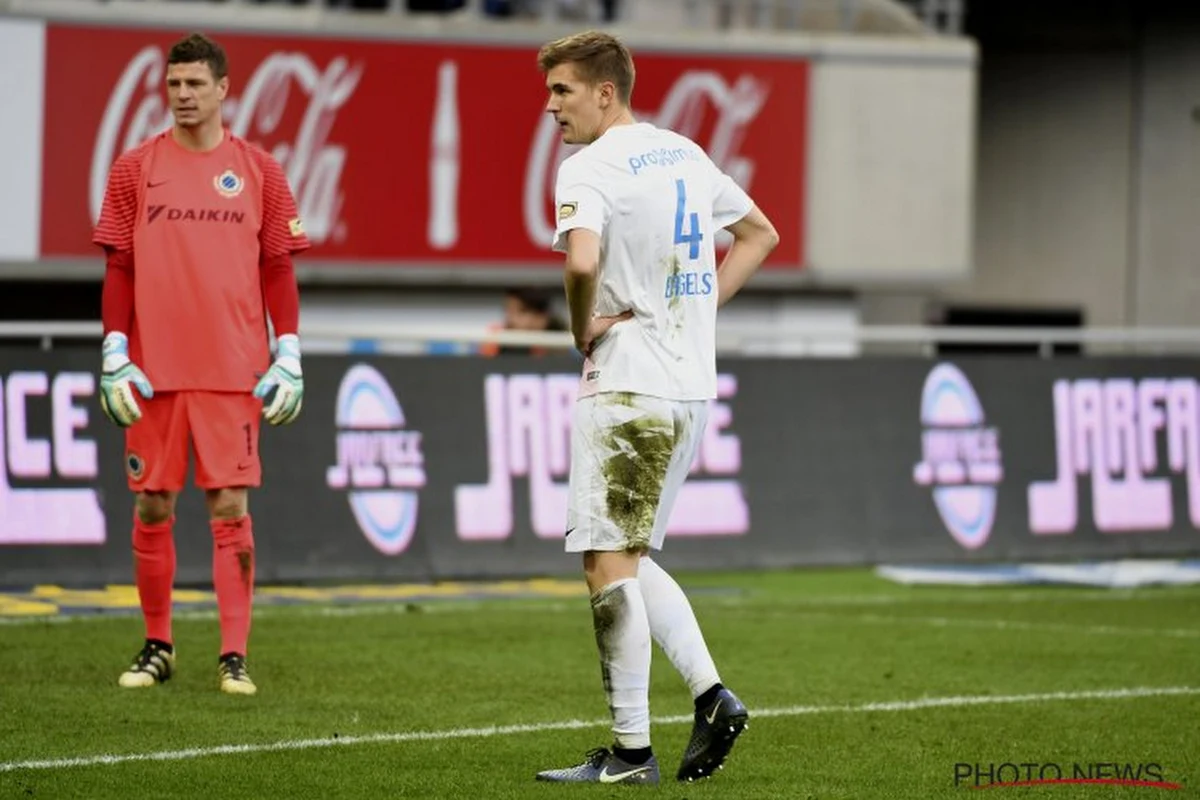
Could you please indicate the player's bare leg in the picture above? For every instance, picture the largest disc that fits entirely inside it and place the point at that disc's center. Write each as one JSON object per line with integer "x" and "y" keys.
{"x": 233, "y": 581}
{"x": 623, "y": 639}
{"x": 154, "y": 571}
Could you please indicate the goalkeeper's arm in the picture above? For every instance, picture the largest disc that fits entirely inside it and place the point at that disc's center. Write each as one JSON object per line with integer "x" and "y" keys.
{"x": 282, "y": 387}
{"x": 119, "y": 377}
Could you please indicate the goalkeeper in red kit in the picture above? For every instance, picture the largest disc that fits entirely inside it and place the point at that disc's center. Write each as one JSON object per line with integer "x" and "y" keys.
{"x": 198, "y": 227}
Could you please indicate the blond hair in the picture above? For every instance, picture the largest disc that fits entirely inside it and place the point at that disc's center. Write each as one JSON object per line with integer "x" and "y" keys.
{"x": 597, "y": 56}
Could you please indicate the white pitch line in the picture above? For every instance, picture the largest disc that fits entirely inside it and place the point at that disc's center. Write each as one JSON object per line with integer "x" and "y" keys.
{"x": 997, "y": 624}
{"x": 985, "y": 595}
{"x": 567, "y": 725}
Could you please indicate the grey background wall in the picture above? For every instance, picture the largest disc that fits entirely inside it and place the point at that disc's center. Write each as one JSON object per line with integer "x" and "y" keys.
{"x": 1088, "y": 170}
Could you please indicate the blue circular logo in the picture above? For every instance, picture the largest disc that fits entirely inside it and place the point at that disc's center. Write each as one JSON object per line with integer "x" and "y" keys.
{"x": 960, "y": 456}
{"x": 379, "y": 461}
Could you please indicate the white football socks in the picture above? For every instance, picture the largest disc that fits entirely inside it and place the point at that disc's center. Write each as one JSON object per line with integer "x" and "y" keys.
{"x": 673, "y": 625}
{"x": 623, "y": 638}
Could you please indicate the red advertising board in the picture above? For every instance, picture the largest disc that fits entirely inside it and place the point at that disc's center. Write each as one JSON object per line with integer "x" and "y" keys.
{"x": 405, "y": 153}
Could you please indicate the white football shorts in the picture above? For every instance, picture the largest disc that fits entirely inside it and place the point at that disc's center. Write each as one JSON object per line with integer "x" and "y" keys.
{"x": 630, "y": 454}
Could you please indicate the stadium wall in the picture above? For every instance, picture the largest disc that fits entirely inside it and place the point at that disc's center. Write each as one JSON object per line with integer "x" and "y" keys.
{"x": 22, "y": 55}
{"x": 422, "y": 468}
{"x": 1167, "y": 171}
{"x": 1055, "y": 201}
{"x": 1089, "y": 168}
{"x": 1086, "y": 157}
{"x": 406, "y": 172}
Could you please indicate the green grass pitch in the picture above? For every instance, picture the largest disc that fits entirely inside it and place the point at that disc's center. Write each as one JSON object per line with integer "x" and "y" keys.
{"x": 858, "y": 688}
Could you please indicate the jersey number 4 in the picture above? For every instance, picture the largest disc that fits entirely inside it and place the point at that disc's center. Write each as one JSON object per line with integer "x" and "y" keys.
{"x": 692, "y": 237}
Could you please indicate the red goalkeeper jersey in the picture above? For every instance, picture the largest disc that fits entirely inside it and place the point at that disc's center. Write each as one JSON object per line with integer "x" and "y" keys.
{"x": 198, "y": 225}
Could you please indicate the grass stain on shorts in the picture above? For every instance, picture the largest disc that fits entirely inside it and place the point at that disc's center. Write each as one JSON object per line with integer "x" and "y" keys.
{"x": 642, "y": 449}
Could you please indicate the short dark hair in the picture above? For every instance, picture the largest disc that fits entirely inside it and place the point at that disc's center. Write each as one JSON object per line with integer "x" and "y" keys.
{"x": 198, "y": 47}
{"x": 533, "y": 298}
{"x": 597, "y": 56}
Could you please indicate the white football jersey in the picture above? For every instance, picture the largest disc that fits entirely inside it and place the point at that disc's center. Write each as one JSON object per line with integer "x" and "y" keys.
{"x": 657, "y": 201}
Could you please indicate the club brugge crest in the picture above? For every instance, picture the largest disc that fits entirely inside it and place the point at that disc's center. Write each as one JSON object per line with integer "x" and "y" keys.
{"x": 229, "y": 184}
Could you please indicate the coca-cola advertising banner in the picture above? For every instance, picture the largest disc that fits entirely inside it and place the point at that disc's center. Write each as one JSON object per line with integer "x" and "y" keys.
{"x": 422, "y": 468}
{"x": 407, "y": 153}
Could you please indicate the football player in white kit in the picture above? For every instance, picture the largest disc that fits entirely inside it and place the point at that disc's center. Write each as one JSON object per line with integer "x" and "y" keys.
{"x": 638, "y": 211}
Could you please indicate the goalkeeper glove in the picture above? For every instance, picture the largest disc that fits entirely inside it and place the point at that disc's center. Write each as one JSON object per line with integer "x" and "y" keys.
{"x": 282, "y": 388}
{"x": 119, "y": 377}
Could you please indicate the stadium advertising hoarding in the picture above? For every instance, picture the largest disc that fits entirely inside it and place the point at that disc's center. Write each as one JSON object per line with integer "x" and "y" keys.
{"x": 421, "y": 468}
{"x": 409, "y": 153}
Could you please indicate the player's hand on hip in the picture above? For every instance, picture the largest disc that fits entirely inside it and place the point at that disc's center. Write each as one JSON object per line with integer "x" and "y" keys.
{"x": 597, "y": 328}
{"x": 282, "y": 388}
{"x": 121, "y": 381}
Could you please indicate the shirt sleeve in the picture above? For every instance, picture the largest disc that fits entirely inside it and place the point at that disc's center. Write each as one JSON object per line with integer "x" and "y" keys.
{"x": 281, "y": 294}
{"x": 119, "y": 211}
{"x": 579, "y": 202}
{"x": 282, "y": 231}
{"x": 730, "y": 201}
{"x": 116, "y": 294}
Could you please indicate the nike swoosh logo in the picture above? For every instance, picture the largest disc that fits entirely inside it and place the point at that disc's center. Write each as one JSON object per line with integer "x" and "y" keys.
{"x": 716, "y": 708}
{"x": 152, "y": 184}
{"x": 570, "y": 531}
{"x": 609, "y": 777}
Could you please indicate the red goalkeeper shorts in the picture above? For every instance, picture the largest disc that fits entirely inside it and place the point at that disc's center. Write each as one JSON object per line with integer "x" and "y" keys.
{"x": 223, "y": 430}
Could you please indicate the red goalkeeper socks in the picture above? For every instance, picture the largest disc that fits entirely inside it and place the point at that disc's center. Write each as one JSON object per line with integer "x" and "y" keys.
{"x": 154, "y": 571}
{"x": 233, "y": 580}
